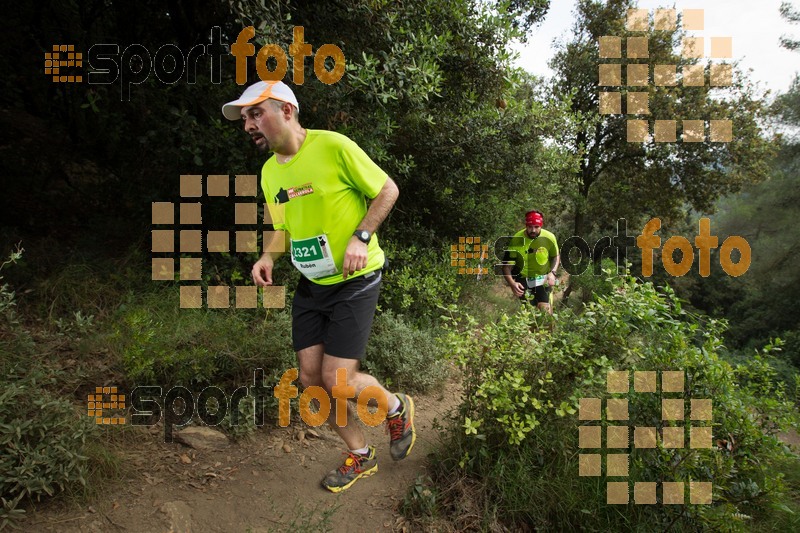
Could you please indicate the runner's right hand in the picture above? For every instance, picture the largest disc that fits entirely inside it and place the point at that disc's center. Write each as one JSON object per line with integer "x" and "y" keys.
{"x": 518, "y": 289}
{"x": 262, "y": 271}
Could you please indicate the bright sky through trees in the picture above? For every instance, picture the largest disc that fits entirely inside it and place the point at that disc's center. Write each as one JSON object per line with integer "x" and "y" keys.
{"x": 755, "y": 26}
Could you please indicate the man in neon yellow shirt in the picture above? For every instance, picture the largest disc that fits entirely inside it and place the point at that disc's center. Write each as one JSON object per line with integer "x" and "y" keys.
{"x": 537, "y": 259}
{"x": 316, "y": 187}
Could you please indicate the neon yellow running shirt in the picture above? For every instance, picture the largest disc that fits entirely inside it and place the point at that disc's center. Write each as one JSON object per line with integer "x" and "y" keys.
{"x": 537, "y": 252}
{"x": 319, "y": 197}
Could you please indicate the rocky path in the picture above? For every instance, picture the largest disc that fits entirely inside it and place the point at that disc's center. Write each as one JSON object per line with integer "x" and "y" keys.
{"x": 269, "y": 483}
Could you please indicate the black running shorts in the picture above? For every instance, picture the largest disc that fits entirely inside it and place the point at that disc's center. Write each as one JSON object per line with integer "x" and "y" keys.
{"x": 337, "y": 316}
{"x": 540, "y": 294}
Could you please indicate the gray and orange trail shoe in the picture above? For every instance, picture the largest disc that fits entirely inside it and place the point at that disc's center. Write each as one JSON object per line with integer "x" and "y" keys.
{"x": 355, "y": 467}
{"x": 400, "y": 427}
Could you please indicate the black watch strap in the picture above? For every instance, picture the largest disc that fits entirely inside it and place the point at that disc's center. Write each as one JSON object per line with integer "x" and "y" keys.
{"x": 363, "y": 235}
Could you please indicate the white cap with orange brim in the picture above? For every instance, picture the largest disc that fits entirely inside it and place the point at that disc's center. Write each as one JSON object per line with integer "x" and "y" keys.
{"x": 257, "y": 93}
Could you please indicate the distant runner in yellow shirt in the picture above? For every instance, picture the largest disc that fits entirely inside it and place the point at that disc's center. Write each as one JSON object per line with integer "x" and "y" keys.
{"x": 535, "y": 253}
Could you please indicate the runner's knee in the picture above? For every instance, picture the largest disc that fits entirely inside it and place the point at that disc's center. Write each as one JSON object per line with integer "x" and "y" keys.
{"x": 309, "y": 379}
{"x": 328, "y": 379}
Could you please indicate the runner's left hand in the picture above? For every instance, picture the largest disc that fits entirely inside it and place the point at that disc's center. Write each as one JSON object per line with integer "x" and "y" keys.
{"x": 355, "y": 257}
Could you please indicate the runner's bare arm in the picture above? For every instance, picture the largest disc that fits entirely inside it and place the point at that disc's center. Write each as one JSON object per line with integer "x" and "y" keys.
{"x": 380, "y": 206}
{"x": 551, "y": 276}
{"x": 355, "y": 257}
{"x": 554, "y": 263}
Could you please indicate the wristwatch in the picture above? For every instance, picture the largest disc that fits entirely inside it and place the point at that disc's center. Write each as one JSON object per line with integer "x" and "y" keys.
{"x": 363, "y": 235}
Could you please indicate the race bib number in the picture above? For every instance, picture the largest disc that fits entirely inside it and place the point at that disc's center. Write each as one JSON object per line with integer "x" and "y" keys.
{"x": 313, "y": 257}
{"x": 536, "y": 281}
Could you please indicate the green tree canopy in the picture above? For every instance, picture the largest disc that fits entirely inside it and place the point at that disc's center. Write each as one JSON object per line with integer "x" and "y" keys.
{"x": 618, "y": 178}
{"x": 428, "y": 91}
{"x": 766, "y": 214}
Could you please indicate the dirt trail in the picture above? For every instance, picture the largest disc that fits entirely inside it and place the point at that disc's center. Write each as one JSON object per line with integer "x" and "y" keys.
{"x": 270, "y": 483}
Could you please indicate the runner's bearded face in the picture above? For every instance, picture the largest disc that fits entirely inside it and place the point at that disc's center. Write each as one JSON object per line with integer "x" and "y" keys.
{"x": 262, "y": 123}
{"x": 532, "y": 231}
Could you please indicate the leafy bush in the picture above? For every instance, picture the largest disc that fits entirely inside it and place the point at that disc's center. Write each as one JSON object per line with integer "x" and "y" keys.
{"x": 777, "y": 366}
{"x": 404, "y": 357}
{"x": 791, "y": 348}
{"x": 418, "y": 282}
{"x": 42, "y": 440}
{"x": 157, "y": 342}
{"x": 516, "y": 430}
{"x": 241, "y": 424}
{"x": 7, "y": 303}
{"x": 14, "y": 339}
{"x": 590, "y": 283}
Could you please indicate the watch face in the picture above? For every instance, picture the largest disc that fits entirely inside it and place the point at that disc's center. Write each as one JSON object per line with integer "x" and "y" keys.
{"x": 364, "y": 235}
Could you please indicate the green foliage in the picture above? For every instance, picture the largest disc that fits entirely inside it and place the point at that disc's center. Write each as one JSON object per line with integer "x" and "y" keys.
{"x": 784, "y": 516}
{"x": 421, "y": 497}
{"x": 591, "y": 283}
{"x": 418, "y": 281}
{"x": 42, "y": 439}
{"x": 516, "y": 430}
{"x": 791, "y": 14}
{"x": 241, "y": 424}
{"x": 509, "y": 380}
{"x": 760, "y": 304}
{"x": 7, "y": 303}
{"x": 403, "y": 356}
{"x": 157, "y": 342}
{"x": 488, "y": 298}
{"x": 779, "y": 370}
{"x": 792, "y": 348}
{"x": 15, "y": 340}
{"x": 618, "y": 178}
{"x": 77, "y": 288}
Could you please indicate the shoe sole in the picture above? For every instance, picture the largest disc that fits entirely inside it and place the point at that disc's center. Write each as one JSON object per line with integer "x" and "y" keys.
{"x": 413, "y": 429}
{"x": 365, "y": 473}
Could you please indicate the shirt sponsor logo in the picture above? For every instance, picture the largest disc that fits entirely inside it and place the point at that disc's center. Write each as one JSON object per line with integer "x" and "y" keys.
{"x": 302, "y": 190}
{"x": 284, "y": 195}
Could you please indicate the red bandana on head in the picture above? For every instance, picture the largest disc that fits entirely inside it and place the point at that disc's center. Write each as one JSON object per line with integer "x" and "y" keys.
{"x": 534, "y": 219}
